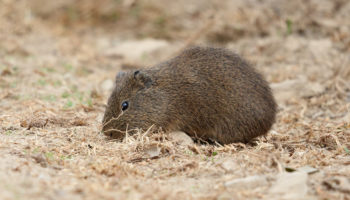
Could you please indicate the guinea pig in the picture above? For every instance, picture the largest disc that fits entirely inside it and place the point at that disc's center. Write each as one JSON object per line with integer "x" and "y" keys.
{"x": 206, "y": 92}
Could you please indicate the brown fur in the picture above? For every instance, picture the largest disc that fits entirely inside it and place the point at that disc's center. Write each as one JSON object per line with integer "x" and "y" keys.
{"x": 207, "y": 92}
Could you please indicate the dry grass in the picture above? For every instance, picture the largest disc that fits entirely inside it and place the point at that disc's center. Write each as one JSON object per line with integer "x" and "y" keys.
{"x": 54, "y": 84}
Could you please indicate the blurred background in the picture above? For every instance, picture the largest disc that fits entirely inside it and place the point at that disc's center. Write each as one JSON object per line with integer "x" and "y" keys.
{"x": 220, "y": 22}
{"x": 183, "y": 22}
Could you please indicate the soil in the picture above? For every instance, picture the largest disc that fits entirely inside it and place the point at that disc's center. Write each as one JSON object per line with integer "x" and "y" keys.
{"x": 58, "y": 61}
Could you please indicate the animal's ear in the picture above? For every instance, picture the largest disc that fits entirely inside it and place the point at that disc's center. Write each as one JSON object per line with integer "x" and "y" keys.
{"x": 119, "y": 75}
{"x": 142, "y": 78}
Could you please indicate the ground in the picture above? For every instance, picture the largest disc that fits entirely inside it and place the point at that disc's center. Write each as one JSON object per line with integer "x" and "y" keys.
{"x": 58, "y": 61}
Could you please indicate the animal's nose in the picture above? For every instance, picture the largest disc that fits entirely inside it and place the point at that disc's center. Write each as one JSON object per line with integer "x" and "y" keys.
{"x": 110, "y": 132}
{"x": 105, "y": 128}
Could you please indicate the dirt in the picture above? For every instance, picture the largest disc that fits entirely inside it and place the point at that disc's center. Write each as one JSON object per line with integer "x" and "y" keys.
{"x": 58, "y": 61}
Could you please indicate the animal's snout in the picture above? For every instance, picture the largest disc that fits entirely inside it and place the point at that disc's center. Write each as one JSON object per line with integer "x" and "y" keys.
{"x": 113, "y": 133}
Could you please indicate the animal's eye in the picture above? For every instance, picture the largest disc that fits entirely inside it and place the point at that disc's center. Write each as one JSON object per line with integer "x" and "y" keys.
{"x": 125, "y": 105}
